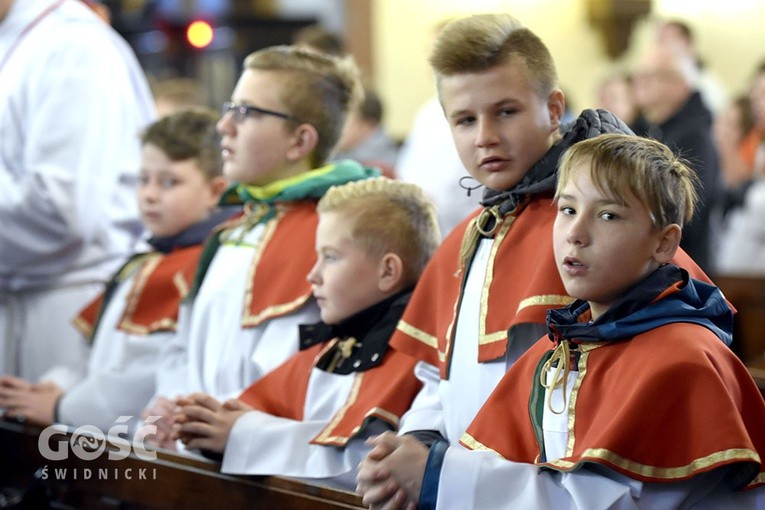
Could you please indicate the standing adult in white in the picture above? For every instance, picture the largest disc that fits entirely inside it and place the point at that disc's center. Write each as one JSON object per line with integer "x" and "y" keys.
{"x": 73, "y": 99}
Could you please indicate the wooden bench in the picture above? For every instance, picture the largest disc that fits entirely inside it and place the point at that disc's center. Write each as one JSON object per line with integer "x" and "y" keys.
{"x": 747, "y": 294}
{"x": 169, "y": 481}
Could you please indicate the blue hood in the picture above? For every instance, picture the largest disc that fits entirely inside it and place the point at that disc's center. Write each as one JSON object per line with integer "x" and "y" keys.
{"x": 640, "y": 310}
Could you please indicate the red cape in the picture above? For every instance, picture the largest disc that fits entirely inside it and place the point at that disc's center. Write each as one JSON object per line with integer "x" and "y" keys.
{"x": 654, "y": 410}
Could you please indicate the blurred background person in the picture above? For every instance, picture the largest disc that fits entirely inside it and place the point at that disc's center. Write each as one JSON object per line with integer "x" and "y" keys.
{"x": 665, "y": 91}
{"x": 69, "y": 160}
{"x": 178, "y": 93}
{"x": 680, "y": 36}
{"x": 615, "y": 95}
{"x": 364, "y": 138}
{"x": 740, "y": 132}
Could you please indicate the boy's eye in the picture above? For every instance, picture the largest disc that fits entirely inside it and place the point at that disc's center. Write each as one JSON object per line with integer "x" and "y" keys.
{"x": 464, "y": 121}
{"x": 143, "y": 180}
{"x": 168, "y": 182}
{"x": 566, "y": 210}
{"x": 608, "y": 216}
{"x": 506, "y": 112}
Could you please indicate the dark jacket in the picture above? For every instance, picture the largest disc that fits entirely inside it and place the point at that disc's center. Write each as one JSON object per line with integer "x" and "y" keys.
{"x": 689, "y": 134}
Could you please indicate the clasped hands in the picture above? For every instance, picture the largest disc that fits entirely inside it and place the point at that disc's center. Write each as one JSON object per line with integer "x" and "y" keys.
{"x": 198, "y": 420}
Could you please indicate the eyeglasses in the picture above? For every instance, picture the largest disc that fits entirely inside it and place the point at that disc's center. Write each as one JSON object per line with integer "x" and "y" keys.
{"x": 242, "y": 111}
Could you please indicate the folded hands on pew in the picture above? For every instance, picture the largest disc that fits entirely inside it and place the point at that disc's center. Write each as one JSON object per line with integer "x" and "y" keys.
{"x": 204, "y": 423}
{"x": 390, "y": 476}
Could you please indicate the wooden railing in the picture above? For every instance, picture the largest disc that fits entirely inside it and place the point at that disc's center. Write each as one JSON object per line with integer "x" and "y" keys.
{"x": 747, "y": 294}
{"x": 168, "y": 481}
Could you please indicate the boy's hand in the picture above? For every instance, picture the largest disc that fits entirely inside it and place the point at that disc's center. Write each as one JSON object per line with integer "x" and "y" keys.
{"x": 33, "y": 402}
{"x": 391, "y": 475}
{"x": 165, "y": 409}
{"x": 204, "y": 423}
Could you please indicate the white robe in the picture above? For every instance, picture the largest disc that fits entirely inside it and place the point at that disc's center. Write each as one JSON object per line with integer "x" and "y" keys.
{"x": 262, "y": 444}
{"x": 449, "y": 405}
{"x": 121, "y": 372}
{"x": 73, "y": 100}
{"x": 212, "y": 352}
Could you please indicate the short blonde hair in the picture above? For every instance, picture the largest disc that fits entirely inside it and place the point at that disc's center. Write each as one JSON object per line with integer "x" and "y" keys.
{"x": 648, "y": 169}
{"x": 316, "y": 88}
{"x": 483, "y": 41}
{"x": 388, "y": 216}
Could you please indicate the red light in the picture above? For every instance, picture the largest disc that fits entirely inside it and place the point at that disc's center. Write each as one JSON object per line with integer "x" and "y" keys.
{"x": 199, "y": 34}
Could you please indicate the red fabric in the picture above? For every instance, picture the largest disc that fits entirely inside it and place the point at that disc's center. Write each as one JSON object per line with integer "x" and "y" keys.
{"x": 278, "y": 283}
{"x": 525, "y": 284}
{"x": 384, "y": 392}
{"x": 159, "y": 285}
{"x": 664, "y": 406}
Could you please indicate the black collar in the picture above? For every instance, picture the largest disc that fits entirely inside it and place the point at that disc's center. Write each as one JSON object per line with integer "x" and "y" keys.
{"x": 371, "y": 328}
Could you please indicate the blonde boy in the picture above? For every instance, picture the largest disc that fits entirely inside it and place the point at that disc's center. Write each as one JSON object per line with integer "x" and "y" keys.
{"x": 285, "y": 116}
{"x": 309, "y": 417}
{"x": 634, "y": 400}
{"x": 482, "y": 300}
{"x": 179, "y": 186}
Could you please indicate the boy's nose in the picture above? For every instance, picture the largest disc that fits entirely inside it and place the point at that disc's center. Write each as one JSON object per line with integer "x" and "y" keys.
{"x": 578, "y": 234}
{"x": 313, "y": 276}
{"x": 487, "y": 134}
{"x": 225, "y": 124}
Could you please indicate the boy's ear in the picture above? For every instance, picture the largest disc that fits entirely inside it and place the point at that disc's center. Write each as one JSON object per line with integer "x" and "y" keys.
{"x": 669, "y": 242}
{"x": 390, "y": 273}
{"x": 218, "y": 185}
{"x": 556, "y": 105}
{"x": 305, "y": 138}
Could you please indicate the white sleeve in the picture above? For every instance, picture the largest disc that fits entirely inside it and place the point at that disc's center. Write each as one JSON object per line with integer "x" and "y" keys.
{"x": 172, "y": 367}
{"x": 426, "y": 411}
{"x": 263, "y": 444}
{"x": 72, "y": 180}
{"x": 482, "y": 479}
{"x": 104, "y": 396}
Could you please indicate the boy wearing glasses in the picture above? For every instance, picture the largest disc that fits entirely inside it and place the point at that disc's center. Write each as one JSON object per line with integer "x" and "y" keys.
{"x": 250, "y": 293}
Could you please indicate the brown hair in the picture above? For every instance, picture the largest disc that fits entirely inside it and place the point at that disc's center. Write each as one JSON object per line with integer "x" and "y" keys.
{"x": 188, "y": 134}
{"x": 316, "y": 88}
{"x": 484, "y": 41}
{"x": 648, "y": 169}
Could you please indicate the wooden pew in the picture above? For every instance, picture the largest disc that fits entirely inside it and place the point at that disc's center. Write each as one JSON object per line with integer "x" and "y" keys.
{"x": 168, "y": 481}
{"x": 747, "y": 294}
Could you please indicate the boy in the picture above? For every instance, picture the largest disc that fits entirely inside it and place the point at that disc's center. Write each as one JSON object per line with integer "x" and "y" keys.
{"x": 250, "y": 293}
{"x": 309, "y": 417}
{"x": 482, "y": 300}
{"x": 179, "y": 186}
{"x": 637, "y": 402}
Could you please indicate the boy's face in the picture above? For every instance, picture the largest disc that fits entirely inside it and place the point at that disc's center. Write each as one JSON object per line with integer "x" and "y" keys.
{"x": 255, "y": 148}
{"x": 173, "y": 195}
{"x": 500, "y": 124}
{"x": 344, "y": 279}
{"x": 602, "y": 247}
